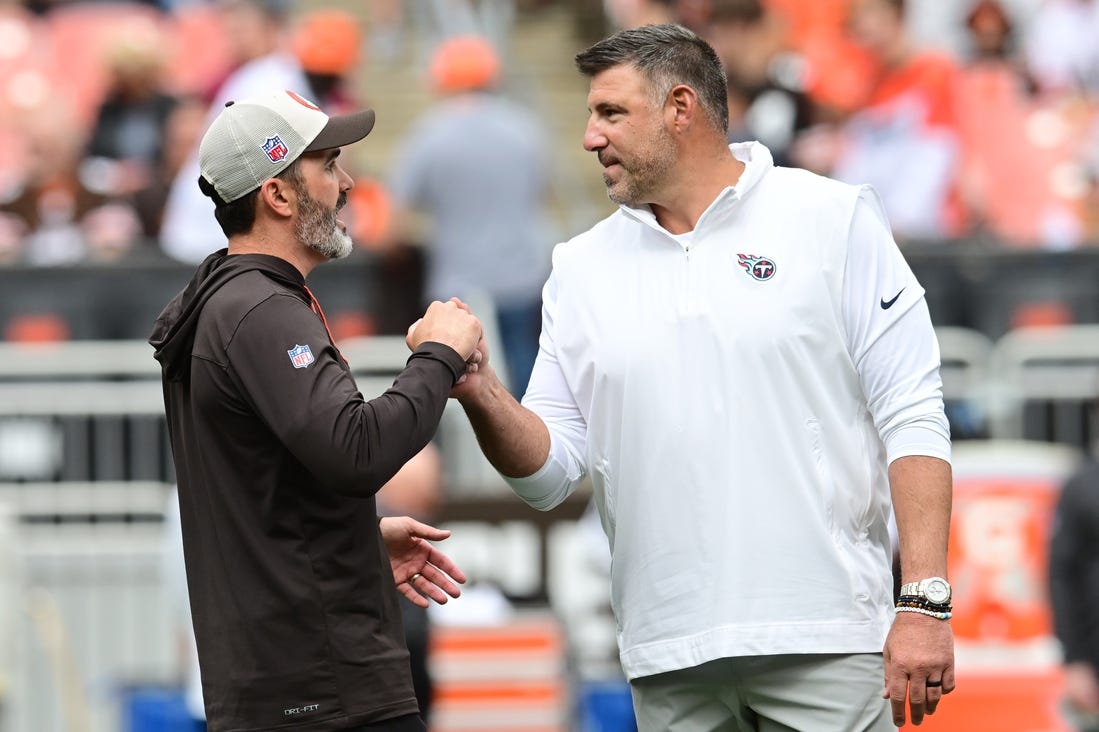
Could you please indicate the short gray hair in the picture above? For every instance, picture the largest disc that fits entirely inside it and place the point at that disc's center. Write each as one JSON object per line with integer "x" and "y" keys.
{"x": 667, "y": 55}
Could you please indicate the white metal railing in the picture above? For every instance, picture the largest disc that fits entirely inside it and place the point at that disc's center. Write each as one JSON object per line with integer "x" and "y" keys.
{"x": 97, "y": 396}
{"x": 1058, "y": 366}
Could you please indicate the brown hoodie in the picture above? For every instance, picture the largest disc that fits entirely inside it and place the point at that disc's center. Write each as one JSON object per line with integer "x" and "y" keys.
{"x": 278, "y": 457}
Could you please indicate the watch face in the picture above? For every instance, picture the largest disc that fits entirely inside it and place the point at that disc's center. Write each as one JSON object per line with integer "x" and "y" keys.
{"x": 937, "y": 590}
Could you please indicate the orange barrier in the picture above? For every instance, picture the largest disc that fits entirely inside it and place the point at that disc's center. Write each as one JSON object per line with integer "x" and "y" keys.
{"x": 999, "y": 548}
{"x": 1008, "y": 670}
{"x": 1019, "y": 701}
{"x": 501, "y": 677}
{"x": 37, "y": 328}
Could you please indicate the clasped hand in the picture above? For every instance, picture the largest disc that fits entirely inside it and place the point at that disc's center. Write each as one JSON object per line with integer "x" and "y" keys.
{"x": 453, "y": 324}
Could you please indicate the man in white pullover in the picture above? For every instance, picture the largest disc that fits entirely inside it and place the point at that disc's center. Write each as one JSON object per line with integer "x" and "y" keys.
{"x": 745, "y": 365}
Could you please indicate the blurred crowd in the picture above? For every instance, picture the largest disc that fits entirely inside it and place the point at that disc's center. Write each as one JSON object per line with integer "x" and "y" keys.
{"x": 102, "y": 105}
{"x": 974, "y": 118}
{"x": 971, "y": 118}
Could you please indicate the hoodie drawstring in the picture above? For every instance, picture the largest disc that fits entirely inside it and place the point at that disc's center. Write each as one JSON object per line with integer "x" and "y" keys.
{"x": 315, "y": 306}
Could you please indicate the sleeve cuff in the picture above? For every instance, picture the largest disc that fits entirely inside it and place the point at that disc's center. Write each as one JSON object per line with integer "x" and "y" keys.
{"x": 547, "y": 486}
{"x": 443, "y": 354}
{"x": 918, "y": 439}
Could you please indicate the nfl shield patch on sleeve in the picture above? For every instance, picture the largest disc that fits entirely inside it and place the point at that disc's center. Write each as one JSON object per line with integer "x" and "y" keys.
{"x": 300, "y": 356}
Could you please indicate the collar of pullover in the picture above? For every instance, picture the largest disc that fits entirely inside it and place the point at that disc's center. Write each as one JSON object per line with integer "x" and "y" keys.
{"x": 757, "y": 162}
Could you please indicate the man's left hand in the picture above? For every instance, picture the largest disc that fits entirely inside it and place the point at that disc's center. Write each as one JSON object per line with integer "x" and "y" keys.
{"x": 420, "y": 570}
{"x": 918, "y": 650}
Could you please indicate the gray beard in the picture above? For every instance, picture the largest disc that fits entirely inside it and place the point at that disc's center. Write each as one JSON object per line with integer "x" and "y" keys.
{"x": 336, "y": 245}
{"x": 318, "y": 230}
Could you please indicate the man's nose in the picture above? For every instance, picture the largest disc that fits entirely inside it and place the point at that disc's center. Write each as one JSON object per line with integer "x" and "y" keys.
{"x": 594, "y": 139}
{"x": 346, "y": 181}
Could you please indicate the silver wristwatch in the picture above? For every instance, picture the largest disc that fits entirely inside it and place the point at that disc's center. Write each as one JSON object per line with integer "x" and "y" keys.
{"x": 935, "y": 590}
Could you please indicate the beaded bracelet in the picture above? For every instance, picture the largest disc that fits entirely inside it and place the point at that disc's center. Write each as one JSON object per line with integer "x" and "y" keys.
{"x": 917, "y": 602}
{"x": 921, "y": 611}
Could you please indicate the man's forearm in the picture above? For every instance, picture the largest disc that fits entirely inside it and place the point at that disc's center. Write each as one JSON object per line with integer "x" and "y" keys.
{"x": 922, "y": 492}
{"x": 513, "y": 438}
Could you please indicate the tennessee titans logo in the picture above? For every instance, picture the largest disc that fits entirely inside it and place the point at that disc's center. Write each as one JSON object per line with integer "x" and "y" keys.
{"x": 275, "y": 149}
{"x": 760, "y": 268}
{"x": 300, "y": 356}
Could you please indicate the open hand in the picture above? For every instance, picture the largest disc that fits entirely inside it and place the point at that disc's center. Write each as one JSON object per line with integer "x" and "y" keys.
{"x": 419, "y": 569}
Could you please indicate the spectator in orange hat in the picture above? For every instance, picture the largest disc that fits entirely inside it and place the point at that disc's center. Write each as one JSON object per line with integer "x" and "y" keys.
{"x": 327, "y": 43}
{"x": 476, "y": 165}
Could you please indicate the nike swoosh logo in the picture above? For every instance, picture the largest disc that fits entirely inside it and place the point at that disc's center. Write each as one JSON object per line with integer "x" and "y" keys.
{"x": 886, "y": 304}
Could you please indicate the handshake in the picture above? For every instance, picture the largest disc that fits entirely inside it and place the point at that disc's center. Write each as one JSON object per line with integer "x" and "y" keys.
{"x": 453, "y": 324}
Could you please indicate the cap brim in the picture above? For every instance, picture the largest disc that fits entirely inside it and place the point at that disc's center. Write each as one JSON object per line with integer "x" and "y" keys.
{"x": 343, "y": 130}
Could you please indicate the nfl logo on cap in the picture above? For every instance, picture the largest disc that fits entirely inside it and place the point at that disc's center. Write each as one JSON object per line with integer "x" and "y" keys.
{"x": 275, "y": 148}
{"x": 300, "y": 356}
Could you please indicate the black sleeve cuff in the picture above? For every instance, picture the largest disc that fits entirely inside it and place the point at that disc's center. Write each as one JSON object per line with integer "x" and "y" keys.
{"x": 442, "y": 353}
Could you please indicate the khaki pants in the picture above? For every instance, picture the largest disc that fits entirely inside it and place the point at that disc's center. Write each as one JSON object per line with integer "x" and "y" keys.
{"x": 807, "y": 693}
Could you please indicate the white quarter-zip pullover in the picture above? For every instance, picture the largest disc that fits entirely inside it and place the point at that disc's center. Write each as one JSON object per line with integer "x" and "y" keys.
{"x": 736, "y": 396}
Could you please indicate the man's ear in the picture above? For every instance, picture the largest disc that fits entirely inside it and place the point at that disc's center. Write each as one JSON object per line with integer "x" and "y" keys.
{"x": 682, "y": 106}
{"x": 278, "y": 195}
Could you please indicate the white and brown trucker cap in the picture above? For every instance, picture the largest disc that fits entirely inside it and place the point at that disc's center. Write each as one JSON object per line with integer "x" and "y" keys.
{"x": 258, "y": 138}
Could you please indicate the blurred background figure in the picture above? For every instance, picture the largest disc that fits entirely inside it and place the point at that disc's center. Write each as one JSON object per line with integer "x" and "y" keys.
{"x": 767, "y": 96}
{"x": 259, "y": 32}
{"x": 476, "y": 165}
{"x": 1063, "y": 47}
{"x": 1074, "y": 594}
{"x": 991, "y": 34}
{"x": 125, "y": 157}
{"x": 904, "y": 141}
